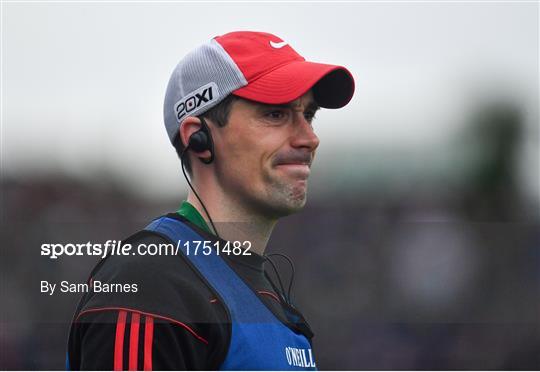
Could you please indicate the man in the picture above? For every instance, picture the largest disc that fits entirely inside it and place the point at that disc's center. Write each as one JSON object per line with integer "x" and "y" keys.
{"x": 239, "y": 112}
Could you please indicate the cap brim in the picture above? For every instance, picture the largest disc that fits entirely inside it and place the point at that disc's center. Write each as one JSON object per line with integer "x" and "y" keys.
{"x": 333, "y": 86}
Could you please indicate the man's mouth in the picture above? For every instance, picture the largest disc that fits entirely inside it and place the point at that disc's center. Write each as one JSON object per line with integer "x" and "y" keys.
{"x": 299, "y": 170}
{"x": 296, "y": 164}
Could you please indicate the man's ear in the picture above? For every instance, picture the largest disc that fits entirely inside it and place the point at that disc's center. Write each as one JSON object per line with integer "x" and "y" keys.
{"x": 187, "y": 127}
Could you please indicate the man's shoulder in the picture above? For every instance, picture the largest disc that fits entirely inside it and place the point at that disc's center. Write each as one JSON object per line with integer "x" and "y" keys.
{"x": 147, "y": 254}
{"x": 148, "y": 280}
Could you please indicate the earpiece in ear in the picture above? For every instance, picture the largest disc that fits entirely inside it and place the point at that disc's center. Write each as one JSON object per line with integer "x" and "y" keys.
{"x": 198, "y": 141}
{"x": 201, "y": 140}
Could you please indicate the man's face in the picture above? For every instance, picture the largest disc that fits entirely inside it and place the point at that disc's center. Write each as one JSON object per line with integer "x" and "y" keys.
{"x": 264, "y": 154}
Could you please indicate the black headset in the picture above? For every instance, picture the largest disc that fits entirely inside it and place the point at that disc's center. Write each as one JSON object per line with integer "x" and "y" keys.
{"x": 200, "y": 141}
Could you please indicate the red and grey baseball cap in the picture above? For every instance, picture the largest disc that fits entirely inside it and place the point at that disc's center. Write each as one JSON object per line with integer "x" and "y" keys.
{"x": 253, "y": 65}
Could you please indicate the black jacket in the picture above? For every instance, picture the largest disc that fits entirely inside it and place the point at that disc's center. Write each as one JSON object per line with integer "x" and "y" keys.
{"x": 173, "y": 321}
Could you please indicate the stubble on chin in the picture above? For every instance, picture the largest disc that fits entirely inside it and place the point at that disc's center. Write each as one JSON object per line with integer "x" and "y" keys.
{"x": 289, "y": 198}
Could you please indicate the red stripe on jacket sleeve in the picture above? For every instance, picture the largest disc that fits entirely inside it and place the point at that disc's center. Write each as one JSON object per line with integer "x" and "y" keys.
{"x": 157, "y": 316}
{"x": 148, "y": 339}
{"x": 134, "y": 341}
{"x": 119, "y": 341}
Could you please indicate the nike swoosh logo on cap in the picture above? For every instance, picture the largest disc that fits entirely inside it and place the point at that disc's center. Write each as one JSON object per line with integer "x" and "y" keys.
{"x": 279, "y": 45}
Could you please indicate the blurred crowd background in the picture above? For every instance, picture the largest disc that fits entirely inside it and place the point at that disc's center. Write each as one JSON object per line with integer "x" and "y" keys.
{"x": 436, "y": 278}
{"x": 419, "y": 247}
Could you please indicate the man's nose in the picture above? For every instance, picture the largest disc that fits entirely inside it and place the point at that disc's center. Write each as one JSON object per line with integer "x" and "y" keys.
{"x": 304, "y": 135}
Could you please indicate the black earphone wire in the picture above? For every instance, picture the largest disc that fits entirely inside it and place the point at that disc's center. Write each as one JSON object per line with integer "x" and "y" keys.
{"x": 278, "y": 278}
{"x": 288, "y": 295}
{"x": 292, "y": 273}
{"x": 195, "y": 192}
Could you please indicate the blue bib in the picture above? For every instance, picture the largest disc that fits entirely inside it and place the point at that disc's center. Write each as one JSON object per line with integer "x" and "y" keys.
{"x": 259, "y": 340}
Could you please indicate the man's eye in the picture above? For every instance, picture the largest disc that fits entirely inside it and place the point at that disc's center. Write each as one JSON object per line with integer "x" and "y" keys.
{"x": 276, "y": 114}
{"x": 310, "y": 116}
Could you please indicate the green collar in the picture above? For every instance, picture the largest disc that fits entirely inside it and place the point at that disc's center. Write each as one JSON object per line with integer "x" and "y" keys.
{"x": 192, "y": 214}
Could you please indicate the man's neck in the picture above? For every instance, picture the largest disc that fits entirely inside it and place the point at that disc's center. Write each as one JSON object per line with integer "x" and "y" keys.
{"x": 234, "y": 223}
